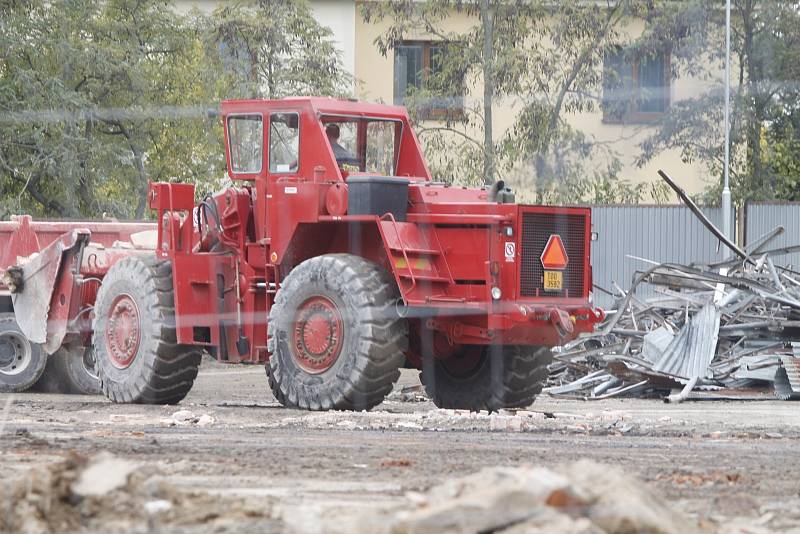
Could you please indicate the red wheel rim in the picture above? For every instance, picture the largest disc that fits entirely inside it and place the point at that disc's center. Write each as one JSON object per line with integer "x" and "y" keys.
{"x": 317, "y": 335}
{"x": 123, "y": 331}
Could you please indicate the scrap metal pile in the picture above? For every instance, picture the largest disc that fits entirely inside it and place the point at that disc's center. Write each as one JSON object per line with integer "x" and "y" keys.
{"x": 714, "y": 328}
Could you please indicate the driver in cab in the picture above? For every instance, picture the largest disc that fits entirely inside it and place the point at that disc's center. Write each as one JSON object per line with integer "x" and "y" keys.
{"x": 341, "y": 154}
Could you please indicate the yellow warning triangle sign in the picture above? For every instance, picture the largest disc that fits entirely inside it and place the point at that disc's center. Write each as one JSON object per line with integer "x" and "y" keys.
{"x": 554, "y": 255}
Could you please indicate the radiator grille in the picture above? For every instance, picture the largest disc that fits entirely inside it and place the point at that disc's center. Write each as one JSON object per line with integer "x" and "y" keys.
{"x": 536, "y": 230}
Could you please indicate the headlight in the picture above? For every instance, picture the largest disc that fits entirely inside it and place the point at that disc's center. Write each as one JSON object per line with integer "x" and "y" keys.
{"x": 496, "y": 293}
{"x": 509, "y": 231}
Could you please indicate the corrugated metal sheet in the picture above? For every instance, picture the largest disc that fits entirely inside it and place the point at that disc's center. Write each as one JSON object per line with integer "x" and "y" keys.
{"x": 787, "y": 377}
{"x": 658, "y": 233}
{"x": 693, "y": 348}
{"x": 761, "y": 217}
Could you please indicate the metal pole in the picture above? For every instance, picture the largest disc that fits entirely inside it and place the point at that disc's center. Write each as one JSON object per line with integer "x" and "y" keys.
{"x": 726, "y": 190}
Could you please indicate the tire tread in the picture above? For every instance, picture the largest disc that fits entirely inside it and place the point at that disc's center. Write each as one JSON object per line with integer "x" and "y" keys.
{"x": 170, "y": 369}
{"x": 379, "y": 353}
{"x": 516, "y": 385}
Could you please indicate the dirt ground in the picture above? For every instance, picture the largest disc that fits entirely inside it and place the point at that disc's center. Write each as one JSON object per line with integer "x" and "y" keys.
{"x": 731, "y": 466}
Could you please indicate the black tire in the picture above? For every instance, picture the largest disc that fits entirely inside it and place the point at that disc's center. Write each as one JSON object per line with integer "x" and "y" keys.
{"x": 70, "y": 370}
{"x": 82, "y": 371}
{"x": 360, "y": 359}
{"x": 21, "y": 362}
{"x": 52, "y": 379}
{"x": 148, "y": 366}
{"x": 506, "y": 376}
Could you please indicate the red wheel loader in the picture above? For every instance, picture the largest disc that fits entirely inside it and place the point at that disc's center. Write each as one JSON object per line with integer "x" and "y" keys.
{"x": 335, "y": 260}
{"x": 69, "y": 368}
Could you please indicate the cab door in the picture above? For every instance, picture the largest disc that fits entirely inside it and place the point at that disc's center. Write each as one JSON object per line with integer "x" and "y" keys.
{"x": 292, "y": 197}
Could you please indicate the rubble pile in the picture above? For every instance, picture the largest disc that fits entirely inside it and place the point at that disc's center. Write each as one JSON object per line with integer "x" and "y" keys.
{"x": 580, "y": 497}
{"x": 108, "y": 493}
{"x": 702, "y": 330}
{"x": 726, "y": 326}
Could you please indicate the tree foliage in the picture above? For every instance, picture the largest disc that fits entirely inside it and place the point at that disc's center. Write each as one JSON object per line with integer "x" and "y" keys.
{"x": 765, "y": 59}
{"x": 87, "y": 90}
{"x": 97, "y": 98}
{"x": 545, "y": 59}
{"x": 274, "y": 49}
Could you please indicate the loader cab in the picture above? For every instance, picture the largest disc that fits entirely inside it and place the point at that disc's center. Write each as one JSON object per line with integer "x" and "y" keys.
{"x": 321, "y": 140}
{"x": 299, "y": 170}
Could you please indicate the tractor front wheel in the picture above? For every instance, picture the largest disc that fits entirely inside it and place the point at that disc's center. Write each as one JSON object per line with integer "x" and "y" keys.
{"x": 336, "y": 340}
{"x": 487, "y": 377}
{"x": 21, "y": 362}
{"x": 138, "y": 357}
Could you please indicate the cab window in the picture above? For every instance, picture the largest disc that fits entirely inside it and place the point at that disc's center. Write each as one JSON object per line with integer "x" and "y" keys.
{"x": 380, "y": 149}
{"x": 246, "y": 140}
{"x": 284, "y": 142}
{"x": 364, "y": 145}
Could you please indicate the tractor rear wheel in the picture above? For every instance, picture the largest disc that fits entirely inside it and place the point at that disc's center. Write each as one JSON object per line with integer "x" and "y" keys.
{"x": 82, "y": 372}
{"x": 21, "y": 362}
{"x": 138, "y": 357}
{"x": 70, "y": 370}
{"x": 335, "y": 338}
{"x": 487, "y": 377}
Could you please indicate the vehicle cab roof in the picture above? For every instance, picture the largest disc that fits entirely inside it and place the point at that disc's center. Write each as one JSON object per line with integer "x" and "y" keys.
{"x": 318, "y": 105}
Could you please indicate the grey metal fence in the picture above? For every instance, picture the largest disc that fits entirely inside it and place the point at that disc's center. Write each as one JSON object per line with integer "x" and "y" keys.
{"x": 657, "y": 233}
{"x": 762, "y": 217}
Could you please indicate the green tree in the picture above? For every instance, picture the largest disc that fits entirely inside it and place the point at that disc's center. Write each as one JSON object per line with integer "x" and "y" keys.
{"x": 544, "y": 58}
{"x": 490, "y": 55}
{"x": 274, "y": 49}
{"x": 765, "y": 50}
{"x": 97, "y": 98}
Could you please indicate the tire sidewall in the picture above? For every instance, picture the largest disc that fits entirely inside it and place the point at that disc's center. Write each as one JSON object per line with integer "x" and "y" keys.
{"x": 81, "y": 381}
{"x": 114, "y": 285}
{"x": 305, "y": 284}
{"x": 28, "y": 377}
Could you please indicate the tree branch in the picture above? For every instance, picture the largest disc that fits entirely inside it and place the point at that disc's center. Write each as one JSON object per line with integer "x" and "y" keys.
{"x": 421, "y": 131}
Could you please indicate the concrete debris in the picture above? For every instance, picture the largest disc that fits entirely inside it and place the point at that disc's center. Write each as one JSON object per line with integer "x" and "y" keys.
{"x": 505, "y": 423}
{"x": 435, "y": 420}
{"x": 157, "y": 506}
{"x": 102, "y": 474}
{"x": 205, "y": 420}
{"x": 184, "y": 417}
{"x": 105, "y": 493}
{"x": 580, "y": 497}
{"x": 408, "y": 424}
{"x": 414, "y": 393}
{"x": 187, "y": 417}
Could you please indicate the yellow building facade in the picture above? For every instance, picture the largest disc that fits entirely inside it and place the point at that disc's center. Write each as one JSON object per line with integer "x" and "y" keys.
{"x": 375, "y": 75}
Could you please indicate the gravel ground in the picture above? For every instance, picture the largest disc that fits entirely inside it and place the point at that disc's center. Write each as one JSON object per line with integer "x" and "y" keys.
{"x": 726, "y": 465}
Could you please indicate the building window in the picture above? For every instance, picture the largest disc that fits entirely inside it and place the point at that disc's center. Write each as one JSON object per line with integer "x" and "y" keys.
{"x": 418, "y": 66}
{"x": 635, "y": 89}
